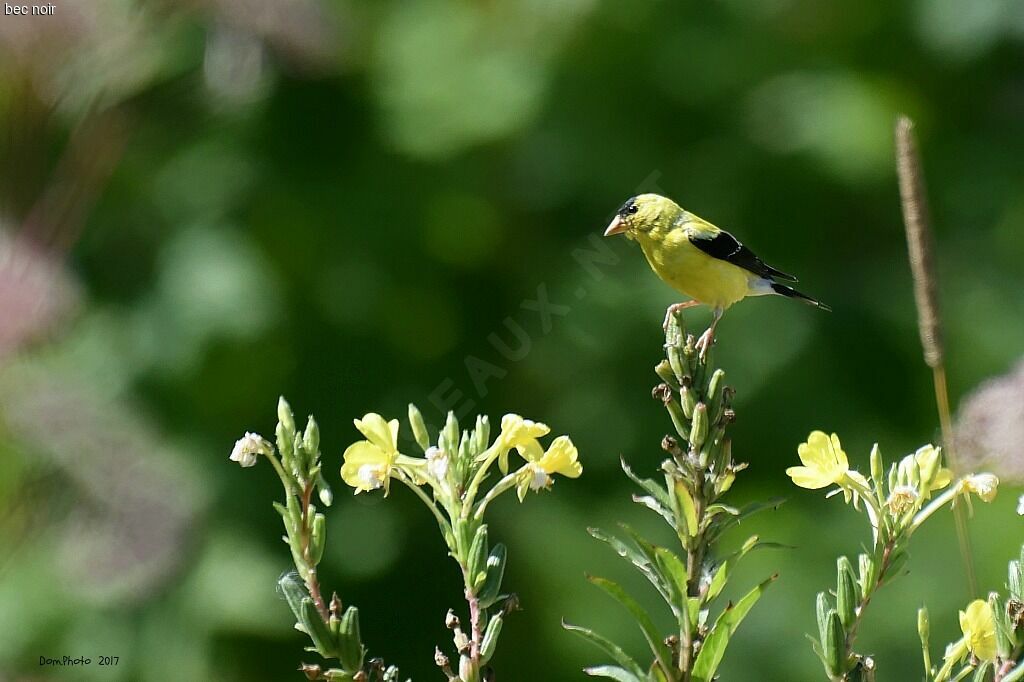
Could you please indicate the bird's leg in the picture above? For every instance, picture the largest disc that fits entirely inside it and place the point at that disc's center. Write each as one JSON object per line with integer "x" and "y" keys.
{"x": 675, "y": 308}
{"x": 708, "y": 337}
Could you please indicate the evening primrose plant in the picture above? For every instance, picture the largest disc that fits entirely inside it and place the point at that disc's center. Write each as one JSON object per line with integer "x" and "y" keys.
{"x": 992, "y": 646}
{"x": 333, "y": 630}
{"x": 697, "y": 472}
{"x": 457, "y": 478}
{"x": 896, "y": 502}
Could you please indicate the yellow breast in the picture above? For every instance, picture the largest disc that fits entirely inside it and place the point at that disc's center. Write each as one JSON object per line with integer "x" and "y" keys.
{"x": 694, "y": 273}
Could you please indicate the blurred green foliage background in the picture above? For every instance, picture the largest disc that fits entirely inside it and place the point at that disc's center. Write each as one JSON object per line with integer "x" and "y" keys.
{"x": 208, "y": 203}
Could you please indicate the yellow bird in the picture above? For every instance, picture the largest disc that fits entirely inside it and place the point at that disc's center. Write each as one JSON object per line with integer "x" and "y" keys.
{"x": 697, "y": 259}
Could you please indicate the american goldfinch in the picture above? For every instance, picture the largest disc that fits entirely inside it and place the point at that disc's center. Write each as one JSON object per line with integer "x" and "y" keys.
{"x": 697, "y": 259}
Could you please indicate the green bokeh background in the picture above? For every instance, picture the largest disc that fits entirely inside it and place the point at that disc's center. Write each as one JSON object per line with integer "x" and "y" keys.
{"x": 347, "y": 202}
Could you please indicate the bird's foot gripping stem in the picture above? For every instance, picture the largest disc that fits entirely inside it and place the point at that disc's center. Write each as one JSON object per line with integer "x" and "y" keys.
{"x": 706, "y": 339}
{"x": 675, "y": 308}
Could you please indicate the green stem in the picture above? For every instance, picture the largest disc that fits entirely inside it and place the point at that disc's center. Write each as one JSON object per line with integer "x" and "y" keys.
{"x": 934, "y": 506}
{"x": 287, "y": 481}
{"x": 487, "y": 458}
{"x": 960, "y": 521}
{"x": 504, "y": 484}
{"x": 446, "y": 528}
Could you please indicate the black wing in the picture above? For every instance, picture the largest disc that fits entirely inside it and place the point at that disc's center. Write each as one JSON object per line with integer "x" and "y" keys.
{"x": 726, "y": 247}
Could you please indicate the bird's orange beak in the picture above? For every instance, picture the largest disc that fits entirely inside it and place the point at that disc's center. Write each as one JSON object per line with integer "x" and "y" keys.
{"x": 617, "y": 226}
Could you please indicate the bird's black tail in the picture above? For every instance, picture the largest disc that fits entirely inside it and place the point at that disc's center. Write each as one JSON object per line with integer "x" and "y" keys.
{"x": 783, "y": 290}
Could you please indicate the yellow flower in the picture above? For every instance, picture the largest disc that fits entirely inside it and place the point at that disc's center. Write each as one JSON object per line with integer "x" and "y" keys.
{"x": 824, "y": 462}
{"x": 979, "y": 626}
{"x": 521, "y": 434}
{"x": 561, "y": 458}
{"x": 984, "y": 486}
{"x": 368, "y": 463}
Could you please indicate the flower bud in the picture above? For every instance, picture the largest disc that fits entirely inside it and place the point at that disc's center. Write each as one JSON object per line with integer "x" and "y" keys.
{"x": 687, "y": 400}
{"x": 317, "y": 629}
{"x": 846, "y": 592}
{"x": 835, "y": 645}
{"x": 866, "y": 574}
{"x": 419, "y": 427}
{"x": 285, "y": 416}
{"x": 679, "y": 420}
{"x": 923, "y": 625}
{"x": 490, "y": 640}
{"x": 699, "y": 431}
{"x": 715, "y": 395}
{"x": 822, "y": 609}
{"x": 676, "y": 361}
{"x": 664, "y": 371}
{"x": 877, "y": 468}
{"x": 317, "y": 539}
{"x": 450, "y": 434}
{"x": 351, "y": 651}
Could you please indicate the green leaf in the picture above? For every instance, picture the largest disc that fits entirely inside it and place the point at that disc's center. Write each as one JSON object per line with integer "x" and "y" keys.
{"x": 673, "y": 570}
{"x": 612, "y": 672}
{"x": 724, "y": 523}
{"x": 609, "y": 647}
{"x": 653, "y": 504}
{"x": 495, "y": 567}
{"x": 650, "y": 485}
{"x": 476, "y": 559}
{"x": 654, "y": 640}
{"x": 688, "y": 508}
{"x": 294, "y": 591}
{"x": 721, "y": 576}
{"x": 642, "y": 557}
{"x": 713, "y": 649}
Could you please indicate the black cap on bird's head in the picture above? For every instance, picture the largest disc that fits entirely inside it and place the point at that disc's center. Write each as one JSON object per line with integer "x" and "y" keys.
{"x": 640, "y": 212}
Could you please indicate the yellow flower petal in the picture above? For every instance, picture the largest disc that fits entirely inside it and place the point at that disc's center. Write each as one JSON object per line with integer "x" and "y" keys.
{"x": 942, "y": 478}
{"x": 809, "y": 478}
{"x": 979, "y": 627}
{"x": 366, "y": 466}
{"x": 561, "y": 458}
{"x": 515, "y": 430}
{"x": 379, "y": 432}
{"x": 530, "y": 450}
{"x": 824, "y": 462}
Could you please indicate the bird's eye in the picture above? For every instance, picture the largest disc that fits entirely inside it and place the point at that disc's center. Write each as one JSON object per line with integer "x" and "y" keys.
{"x": 633, "y": 208}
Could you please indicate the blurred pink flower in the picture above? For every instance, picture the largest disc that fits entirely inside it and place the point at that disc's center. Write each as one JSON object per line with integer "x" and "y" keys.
{"x": 990, "y": 426}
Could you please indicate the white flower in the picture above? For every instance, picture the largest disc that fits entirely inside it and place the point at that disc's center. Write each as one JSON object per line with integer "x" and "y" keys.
{"x": 248, "y": 448}
{"x": 437, "y": 462}
{"x": 982, "y": 485}
{"x": 539, "y": 478}
{"x": 902, "y": 498}
{"x": 1020, "y": 505}
{"x": 371, "y": 476}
